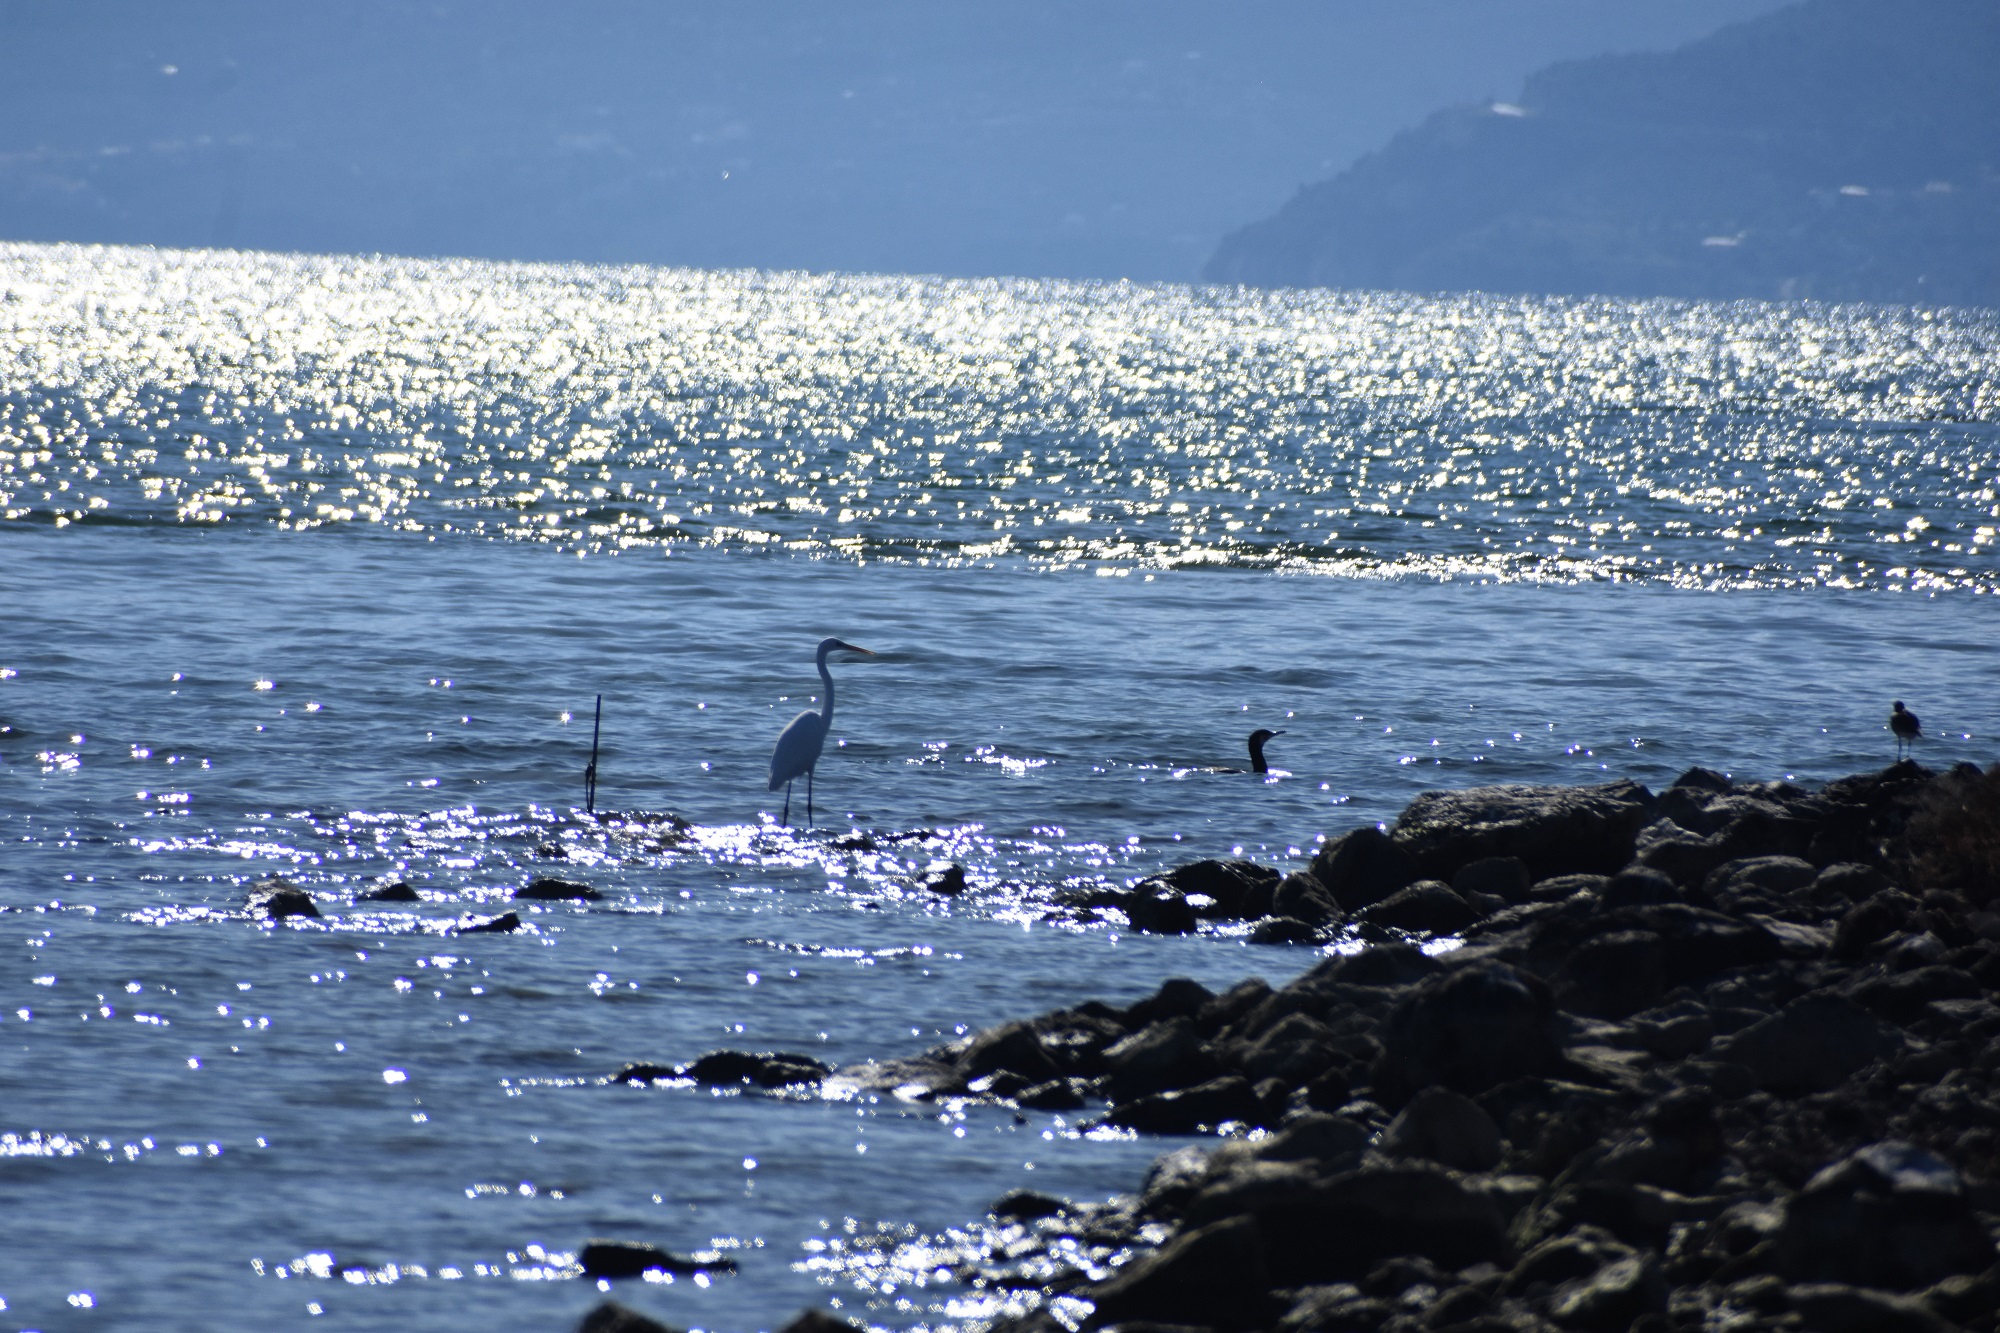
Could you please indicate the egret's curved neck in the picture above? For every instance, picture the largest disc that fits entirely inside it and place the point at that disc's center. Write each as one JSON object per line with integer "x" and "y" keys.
{"x": 826, "y": 678}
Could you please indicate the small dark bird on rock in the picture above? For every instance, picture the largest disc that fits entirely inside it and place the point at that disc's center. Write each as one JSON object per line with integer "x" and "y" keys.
{"x": 1904, "y": 723}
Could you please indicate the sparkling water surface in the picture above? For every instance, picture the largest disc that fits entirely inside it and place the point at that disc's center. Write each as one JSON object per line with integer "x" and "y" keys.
{"x": 250, "y": 629}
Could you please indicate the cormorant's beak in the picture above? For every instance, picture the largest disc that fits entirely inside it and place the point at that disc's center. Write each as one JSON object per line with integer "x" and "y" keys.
{"x": 1279, "y": 732}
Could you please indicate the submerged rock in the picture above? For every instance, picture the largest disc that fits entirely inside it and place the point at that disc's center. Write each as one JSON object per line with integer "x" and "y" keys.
{"x": 277, "y": 898}
{"x": 626, "y": 1259}
{"x": 767, "y": 1069}
{"x": 499, "y": 925}
{"x": 546, "y": 889}
{"x": 948, "y": 880}
{"x": 392, "y": 893}
{"x": 611, "y": 1317}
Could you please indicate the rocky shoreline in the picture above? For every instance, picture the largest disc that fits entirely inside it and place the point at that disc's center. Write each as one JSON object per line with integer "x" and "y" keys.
{"x": 1725, "y": 1057}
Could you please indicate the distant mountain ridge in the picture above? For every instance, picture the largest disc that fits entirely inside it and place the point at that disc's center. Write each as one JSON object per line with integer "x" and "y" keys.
{"x": 1844, "y": 150}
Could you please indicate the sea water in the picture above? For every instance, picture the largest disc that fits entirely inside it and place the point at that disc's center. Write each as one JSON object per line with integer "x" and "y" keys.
{"x": 317, "y": 568}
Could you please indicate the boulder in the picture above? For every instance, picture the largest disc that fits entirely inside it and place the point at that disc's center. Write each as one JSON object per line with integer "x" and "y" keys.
{"x": 623, "y": 1259}
{"x": 1015, "y": 1047}
{"x": 1236, "y": 890}
{"x": 1612, "y": 976}
{"x": 1154, "y": 907}
{"x": 1877, "y": 917}
{"x": 1429, "y": 906}
{"x": 546, "y": 889}
{"x": 1850, "y": 880}
{"x": 1811, "y": 1045}
{"x": 1639, "y": 886}
{"x": 504, "y": 924}
{"x": 277, "y": 898}
{"x": 1441, "y": 1126}
{"x": 1680, "y": 854}
{"x": 1214, "y": 1275}
{"x": 1026, "y": 1206}
{"x": 1378, "y": 965}
{"x": 1354, "y": 1220}
{"x": 768, "y": 1069}
{"x": 1206, "y": 1106}
{"x": 1469, "y": 1029}
{"x": 1363, "y": 866}
{"x": 1296, "y": 1049}
{"x": 819, "y": 1321}
{"x": 1502, "y": 876}
{"x": 1832, "y": 1307}
{"x": 1613, "y": 1297}
{"x": 1300, "y": 895}
{"x": 1283, "y": 930}
{"x": 947, "y": 880}
{"x": 391, "y": 893}
{"x": 611, "y": 1317}
{"x": 1554, "y": 830}
{"x": 1757, "y": 883}
{"x": 1166, "y": 1055}
{"x": 1890, "y": 1215}
{"x": 1177, "y": 997}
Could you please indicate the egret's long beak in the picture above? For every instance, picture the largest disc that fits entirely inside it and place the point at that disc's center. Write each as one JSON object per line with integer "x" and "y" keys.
{"x": 851, "y": 648}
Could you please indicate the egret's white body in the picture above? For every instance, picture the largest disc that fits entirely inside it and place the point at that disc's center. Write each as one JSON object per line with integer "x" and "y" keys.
{"x": 800, "y": 743}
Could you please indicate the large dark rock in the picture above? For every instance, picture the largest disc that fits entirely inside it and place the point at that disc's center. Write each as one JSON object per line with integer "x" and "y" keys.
{"x": 1157, "y": 908}
{"x": 611, "y": 1317}
{"x": 1613, "y": 1297}
{"x": 1356, "y": 1219}
{"x": 1441, "y": 1126}
{"x": 1502, "y": 876}
{"x": 1833, "y": 1307}
{"x": 1177, "y": 997}
{"x": 767, "y": 1069}
{"x": 1891, "y": 1216}
{"x": 277, "y": 898}
{"x": 1363, "y": 866}
{"x": 391, "y": 893}
{"x": 1206, "y": 1106}
{"x": 1296, "y": 1049}
{"x": 1468, "y": 1029}
{"x": 504, "y": 924}
{"x": 1612, "y": 976}
{"x": 1301, "y": 896}
{"x": 819, "y": 1321}
{"x": 1168, "y": 1054}
{"x": 1879, "y": 916}
{"x": 1015, "y": 1047}
{"x": 1236, "y": 890}
{"x": 1554, "y": 830}
{"x": 1214, "y": 1275}
{"x": 547, "y": 889}
{"x": 1684, "y": 856}
{"x": 1810, "y": 1045}
{"x": 623, "y": 1259}
{"x": 1429, "y": 906}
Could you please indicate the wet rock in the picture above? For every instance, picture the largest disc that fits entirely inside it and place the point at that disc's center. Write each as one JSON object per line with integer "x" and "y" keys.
{"x": 1891, "y": 1215}
{"x": 1830, "y": 1307}
{"x": 1214, "y": 1274}
{"x": 1562, "y": 888}
{"x": 277, "y": 899}
{"x": 1639, "y": 886}
{"x": 767, "y": 1069}
{"x": 1698, "y": 943}
{"x": 1206, "y": 1106}
{"x": 1177, "y": 997}
{"x": 1330, "y": 1142}
{"x": 392, "y": 893}
{"x": 1613, "y": 1297}
{"x": 1904, "y": 996}
{"x": 1879, "y": 916}
{"x": 1172, "y": 1181}
{"x": 555, "y": 890}
{"x": 1429, "y": 906}
{"x": 1354, "y": 1220}
{"x": 1283, "y": 930}
{"x": 1441, "y": 1126}
{"x": 1058, "y": 1094}
{"x": 1684, "y": 856}
{"x": 1850, "y": 880}
{"x": 503, "y": 924}
{"x": 1235, "y": 890}
{"x": 1757, "y": 883}
{"x": 948, "y": 880}
{"x": 641, "y": 1072}
{"x": 819, "y": 1321}
{"x": 1502, "y": 876}
{"x": 1362, "y": 867}
{"x": 1612, "y": 976}
{"x": 1296, "y": 1049}
{"x": 1015, "y": 1047}
{"x": 1158, "y": 910}
{"x": 1026, "y": 1206}
{"x": 611, "y": 1317}
{"x": 1554, "y": 830}
{"x": 1811, "y": 1045}
{"x": 1166, "y": 1055}
{"x": 1378, "y": 965}
{"x": 617, "y": 1259}
{"x": 1301, "y": 896}
{"x": 1468, "y": 1029}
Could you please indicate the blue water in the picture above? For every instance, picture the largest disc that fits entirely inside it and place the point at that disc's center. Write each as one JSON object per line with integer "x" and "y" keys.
{"x": 1439, "y": 542}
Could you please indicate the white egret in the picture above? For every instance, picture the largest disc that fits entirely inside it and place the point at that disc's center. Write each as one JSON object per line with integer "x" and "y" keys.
{"x": 1904, "y": 723}
{"x": 804, "y": 736}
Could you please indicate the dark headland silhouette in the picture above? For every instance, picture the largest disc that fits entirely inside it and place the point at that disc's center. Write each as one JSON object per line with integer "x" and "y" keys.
{"x": 1843, "y": 150}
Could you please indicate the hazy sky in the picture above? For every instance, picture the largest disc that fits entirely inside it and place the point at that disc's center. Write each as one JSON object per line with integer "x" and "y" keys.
{"x": 1100, "y": 138}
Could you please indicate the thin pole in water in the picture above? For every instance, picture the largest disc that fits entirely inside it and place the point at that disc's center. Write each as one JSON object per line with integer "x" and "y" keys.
{"x": 590, "y": 773}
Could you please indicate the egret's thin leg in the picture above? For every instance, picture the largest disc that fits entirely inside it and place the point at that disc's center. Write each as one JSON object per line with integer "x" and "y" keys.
{"x": 809, "y": 798}
{"x": 786, "y": 818}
